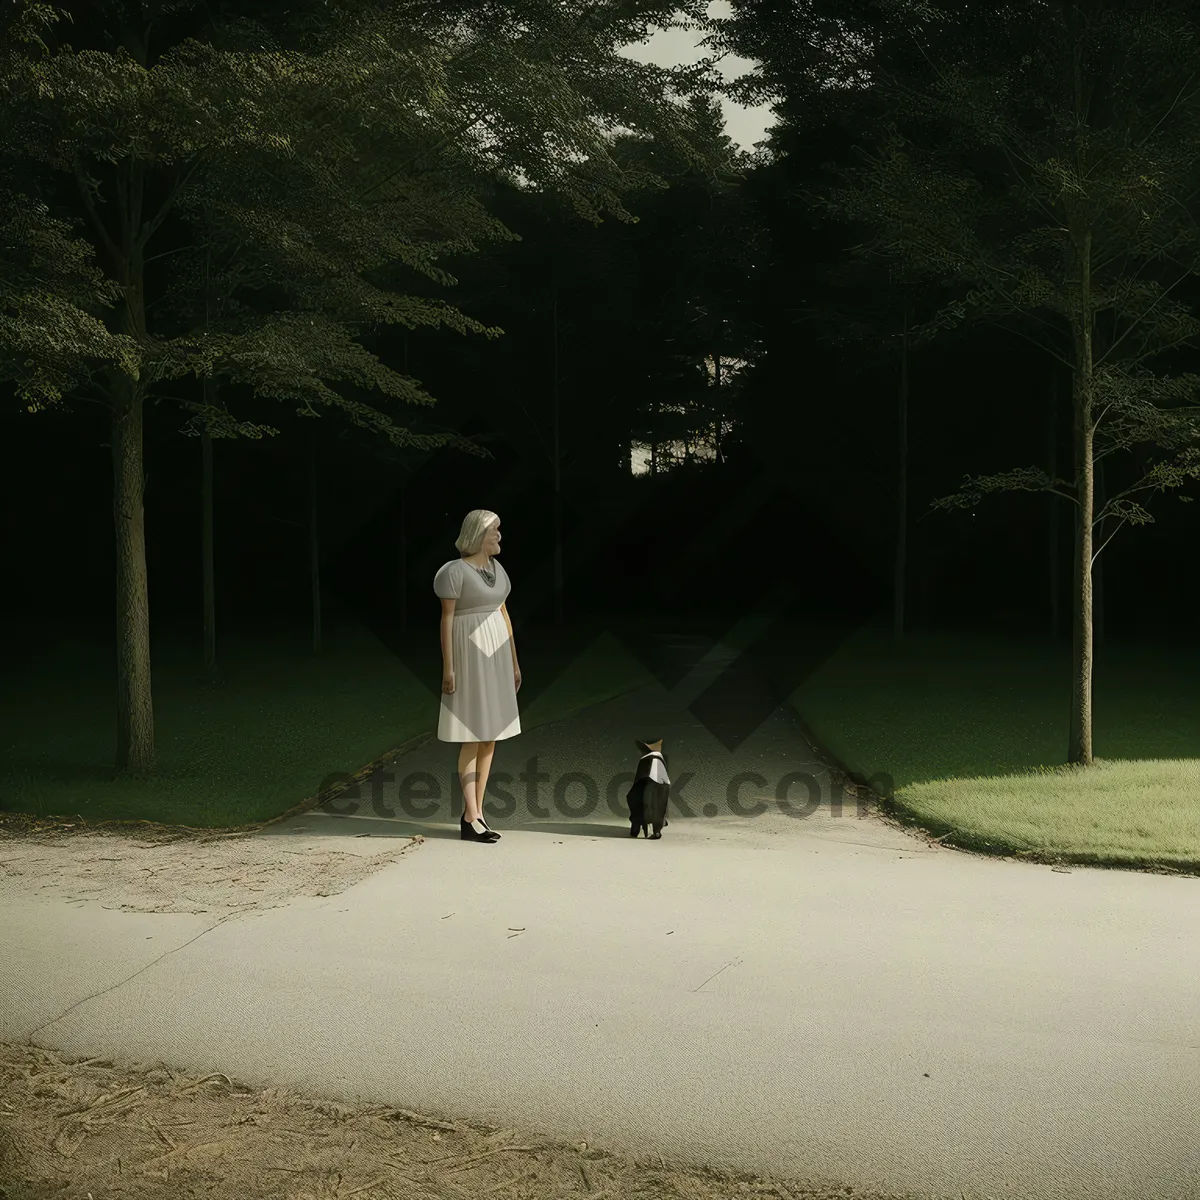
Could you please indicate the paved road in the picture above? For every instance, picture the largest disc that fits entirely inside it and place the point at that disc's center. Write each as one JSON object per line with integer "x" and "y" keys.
{"x": 825, "y": 998}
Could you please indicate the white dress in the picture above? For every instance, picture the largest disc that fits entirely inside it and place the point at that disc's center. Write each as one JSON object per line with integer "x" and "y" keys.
{"x": 483, "y": 705}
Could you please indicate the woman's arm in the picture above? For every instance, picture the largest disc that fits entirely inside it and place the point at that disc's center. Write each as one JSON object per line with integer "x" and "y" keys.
{"x": 511, "y": 641}
{"x": 447, "y": 629}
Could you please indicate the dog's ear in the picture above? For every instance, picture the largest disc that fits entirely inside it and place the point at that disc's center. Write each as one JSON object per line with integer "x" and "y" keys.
{"x": 641, "y": 746}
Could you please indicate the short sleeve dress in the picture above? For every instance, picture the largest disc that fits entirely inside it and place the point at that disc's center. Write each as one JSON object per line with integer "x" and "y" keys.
{"x": 483, "y": 705}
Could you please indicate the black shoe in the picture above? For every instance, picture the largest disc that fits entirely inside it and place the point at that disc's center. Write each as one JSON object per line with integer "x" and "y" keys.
{"x": 469, "y": 835}
{"x": 483, "y": 822}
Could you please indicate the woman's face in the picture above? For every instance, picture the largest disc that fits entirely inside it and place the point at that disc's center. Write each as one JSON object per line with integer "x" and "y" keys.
{"x": 491, "y": 540}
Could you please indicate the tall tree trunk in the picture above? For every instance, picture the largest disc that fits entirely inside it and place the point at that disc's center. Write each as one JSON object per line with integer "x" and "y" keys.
{"x": 314, "y": 541}
{"x": 1053, "y": 516}
{"x": 207, "y": 565}
{"x": 1098, "y": 605}
{"x": 403, "y": 517}
{"x": 1080, "y": 747}
{"x": 900, "y": 569}
{"x": 403, "y": 588}
{"x": 558, "y": 539}
{"x": 135, "y": 708}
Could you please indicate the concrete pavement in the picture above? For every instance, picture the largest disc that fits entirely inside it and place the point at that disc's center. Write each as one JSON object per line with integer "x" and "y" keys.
{"x": 829, "y": 998}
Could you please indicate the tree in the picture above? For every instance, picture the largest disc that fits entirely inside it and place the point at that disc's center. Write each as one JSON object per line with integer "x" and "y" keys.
{"x": 1038, "y": 156}
{"x": 878, "y": 324}
{"x": 132, "y": 133}
{"x": 321, "y": 159}
{"x": 710, "y": 243}
{"x": 677, "y": 330}
{"x": 613, "y": 309}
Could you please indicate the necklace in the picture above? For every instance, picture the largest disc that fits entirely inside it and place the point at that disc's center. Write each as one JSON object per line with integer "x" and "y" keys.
{"x": 489, "y": 577}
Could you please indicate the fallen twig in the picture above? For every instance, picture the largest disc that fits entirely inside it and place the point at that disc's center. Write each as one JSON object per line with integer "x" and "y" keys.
{"x": 100, "y": 1101}
{"x": 474, "y": 1158}
{"x": 215, "y": 1075}
{"x": 165, "y": 1137}
{"x": 418, "y": 1119}
{"x": 181, "y": 1151}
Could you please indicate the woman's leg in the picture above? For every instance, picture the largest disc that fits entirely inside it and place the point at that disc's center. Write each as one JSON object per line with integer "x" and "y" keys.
{"x": 483, "y": 765}
{"x": 467, "y": 778}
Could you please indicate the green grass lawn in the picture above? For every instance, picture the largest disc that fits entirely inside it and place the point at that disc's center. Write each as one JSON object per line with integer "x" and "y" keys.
{"x": 270, "y": 734}
{"x": 973, "y": 732}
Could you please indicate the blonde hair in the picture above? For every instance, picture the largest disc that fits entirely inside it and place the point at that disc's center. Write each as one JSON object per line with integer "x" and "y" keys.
{"x": 475, "y": 524}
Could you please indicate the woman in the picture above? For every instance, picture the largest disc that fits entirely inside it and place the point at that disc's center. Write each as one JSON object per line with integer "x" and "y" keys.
{"x": 480, "y": 675}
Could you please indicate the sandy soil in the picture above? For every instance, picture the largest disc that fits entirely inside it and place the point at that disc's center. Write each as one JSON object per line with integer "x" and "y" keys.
{"x": 187, "y": 874}
{"x": 98, "y": 1130}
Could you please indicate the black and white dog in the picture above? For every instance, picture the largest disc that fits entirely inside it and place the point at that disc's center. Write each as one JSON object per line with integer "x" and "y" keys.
{"x": 651, "y": 789}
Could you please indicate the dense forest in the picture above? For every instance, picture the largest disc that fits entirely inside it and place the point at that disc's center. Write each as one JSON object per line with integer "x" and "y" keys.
{"x": 287, "y": 289}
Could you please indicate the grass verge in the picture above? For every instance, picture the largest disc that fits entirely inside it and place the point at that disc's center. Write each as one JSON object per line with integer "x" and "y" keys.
{"x": 280, "y": 725}
{"x": 966, "y": 736}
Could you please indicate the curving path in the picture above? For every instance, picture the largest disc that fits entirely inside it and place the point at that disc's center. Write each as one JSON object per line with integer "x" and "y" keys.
{"x": 828, "y": 999}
